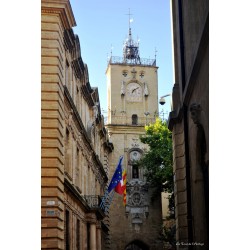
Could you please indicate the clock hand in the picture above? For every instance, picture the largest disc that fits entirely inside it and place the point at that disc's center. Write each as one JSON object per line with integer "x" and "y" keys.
{"x": 135, "y": 89}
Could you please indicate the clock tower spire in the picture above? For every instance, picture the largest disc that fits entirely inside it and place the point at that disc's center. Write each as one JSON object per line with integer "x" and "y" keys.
{"x": 131, "y": 48}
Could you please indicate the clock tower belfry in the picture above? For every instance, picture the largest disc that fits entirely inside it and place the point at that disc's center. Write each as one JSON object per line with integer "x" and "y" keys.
{"x": 132, "y": 86}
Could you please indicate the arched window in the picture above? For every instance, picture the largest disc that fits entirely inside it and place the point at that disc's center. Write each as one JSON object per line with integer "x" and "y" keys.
{"x": 134, "y": 157}
{"x": 68, "y": 153}
{"x": 135, "y": 172}
{"x": 134, "y": 119}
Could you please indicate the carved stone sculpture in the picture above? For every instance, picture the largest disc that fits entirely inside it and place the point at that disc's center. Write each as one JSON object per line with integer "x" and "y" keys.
{"x": 195, "y": 110}
{"x": 145, "y": 89}
{"x": 122, "y": 88}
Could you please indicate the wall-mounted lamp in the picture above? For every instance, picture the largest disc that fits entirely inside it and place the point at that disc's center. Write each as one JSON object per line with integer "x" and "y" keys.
{"x": 162, "y": 99}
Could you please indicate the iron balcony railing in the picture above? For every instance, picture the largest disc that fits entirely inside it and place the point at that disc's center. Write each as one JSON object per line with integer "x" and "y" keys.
{"x": 93, "y": 201}
{"x": 121, "y": 60}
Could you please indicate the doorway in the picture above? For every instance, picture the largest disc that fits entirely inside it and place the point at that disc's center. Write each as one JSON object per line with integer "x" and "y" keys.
{"x": 137, "y": 245}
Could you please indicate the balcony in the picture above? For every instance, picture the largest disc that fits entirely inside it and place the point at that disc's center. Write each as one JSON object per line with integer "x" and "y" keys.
{"x": 121, "y": 60}
{"x": 94, "y": 202}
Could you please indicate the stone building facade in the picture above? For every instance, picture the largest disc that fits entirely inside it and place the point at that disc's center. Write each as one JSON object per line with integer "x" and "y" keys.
{"x": 74, "y": 143}
{"x": 188, "y": 122}
{"x": 132, "y": 85}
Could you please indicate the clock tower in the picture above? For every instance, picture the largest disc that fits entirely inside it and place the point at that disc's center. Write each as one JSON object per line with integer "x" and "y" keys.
{"x": 132, "y": 85}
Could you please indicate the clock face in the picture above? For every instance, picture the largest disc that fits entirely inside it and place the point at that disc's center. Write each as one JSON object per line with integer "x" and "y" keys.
{"x": 135, "y": 156}
{"x": 134, "y": 92}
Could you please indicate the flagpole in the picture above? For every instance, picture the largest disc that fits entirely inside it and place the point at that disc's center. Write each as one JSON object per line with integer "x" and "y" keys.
{"x": 110, "y": 200}
{"x": 104, "y": 198}
{"x": 109, "y": 193}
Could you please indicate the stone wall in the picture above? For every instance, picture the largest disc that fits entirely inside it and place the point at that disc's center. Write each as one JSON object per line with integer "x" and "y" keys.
{"x": 54, "y": 20}
{"x": 189, "y": 122}
{"x": 75, "y": 144}
{"x": 180, "y": 189}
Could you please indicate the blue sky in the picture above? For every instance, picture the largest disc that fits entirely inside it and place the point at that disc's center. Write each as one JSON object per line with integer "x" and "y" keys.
{"x": 104, "y": 24}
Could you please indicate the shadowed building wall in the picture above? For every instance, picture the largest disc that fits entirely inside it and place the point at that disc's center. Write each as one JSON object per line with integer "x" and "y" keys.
{"x": 189, "y": 122}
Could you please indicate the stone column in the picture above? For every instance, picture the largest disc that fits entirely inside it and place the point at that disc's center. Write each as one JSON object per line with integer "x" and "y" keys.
{"x": 92, "y": 236}
{"x": 84, "y": 236}
{"x": 99, "y": 237}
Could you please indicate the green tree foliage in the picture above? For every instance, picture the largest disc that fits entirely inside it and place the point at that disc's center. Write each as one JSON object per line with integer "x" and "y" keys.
{"x": 158, "y": 160}
{"x": 158, "y": 167}
{"x": 169, "y": 235}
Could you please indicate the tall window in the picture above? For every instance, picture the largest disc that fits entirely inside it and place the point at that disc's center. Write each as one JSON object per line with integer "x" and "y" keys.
{"x": 134, "y": 119}
{"x": 77, "y": 181}
{"x": 134, "y": 157}
{"x": 67, "y": 83}
{"x": 88, "y": 236}
{"x": 78, "y": 234}
{"x": 135, "y": 172}
{"x": 85, "y": 174}
{"x": 68, "y": 152}
{"x": 78, "y": 100}
{"x": 67, "y": 231}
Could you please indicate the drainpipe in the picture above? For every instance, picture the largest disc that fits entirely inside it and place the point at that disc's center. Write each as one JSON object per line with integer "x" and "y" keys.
{"x": 185, "y": 121}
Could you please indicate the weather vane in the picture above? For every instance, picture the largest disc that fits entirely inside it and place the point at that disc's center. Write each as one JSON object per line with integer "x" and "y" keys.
{"x": 129, "y": 19}
{"x": 111, "y": 50}
{"x": 155, "y": 53}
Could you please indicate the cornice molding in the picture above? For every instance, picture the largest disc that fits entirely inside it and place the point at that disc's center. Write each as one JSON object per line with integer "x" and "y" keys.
{"x": 62, "y": 8}
{"x": 78, "y": 66}
{"x": 102, "y": 132}
{"x": 109, "y": 146}
{"x": 69, "y": 39}
{"x": 87, "y": 91}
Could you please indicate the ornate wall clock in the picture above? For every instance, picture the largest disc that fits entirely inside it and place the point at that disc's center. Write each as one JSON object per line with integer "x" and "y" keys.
{"x": 134, "y": 92}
